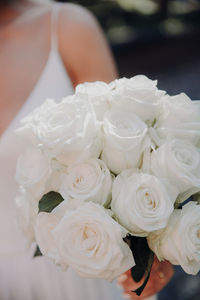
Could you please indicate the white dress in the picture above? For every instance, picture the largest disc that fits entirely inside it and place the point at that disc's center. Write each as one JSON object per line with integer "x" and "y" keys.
{"x": 21, "y": 276}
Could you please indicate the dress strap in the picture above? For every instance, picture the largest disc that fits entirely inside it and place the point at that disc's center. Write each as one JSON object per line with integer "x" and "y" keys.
{"x": 54, "y": 21}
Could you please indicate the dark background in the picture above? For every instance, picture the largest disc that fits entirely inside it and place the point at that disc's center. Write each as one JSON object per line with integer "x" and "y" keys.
{"x": 160, "y": 39}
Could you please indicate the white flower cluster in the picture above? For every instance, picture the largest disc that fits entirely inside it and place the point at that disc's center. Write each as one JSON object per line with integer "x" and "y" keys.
{"x": 122, "y": 156}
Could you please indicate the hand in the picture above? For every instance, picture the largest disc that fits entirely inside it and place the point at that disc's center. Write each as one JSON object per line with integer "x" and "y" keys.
{"x": 161, "y": 273}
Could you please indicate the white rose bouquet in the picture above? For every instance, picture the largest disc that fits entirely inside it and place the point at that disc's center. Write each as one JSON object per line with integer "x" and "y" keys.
{"x": 111, "y": 177}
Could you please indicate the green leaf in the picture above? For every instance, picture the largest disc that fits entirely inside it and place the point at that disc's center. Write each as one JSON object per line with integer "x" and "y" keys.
{"x": 196, "y": 198}
{"x": 37, "y": 252}
{"x": 49, "y": 201}
{"x": 143, "y": 257}
{"x": 147, "y": 274}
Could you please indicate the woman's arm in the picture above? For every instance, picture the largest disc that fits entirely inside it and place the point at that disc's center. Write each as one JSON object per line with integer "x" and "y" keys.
{"x": 83, "y": 47}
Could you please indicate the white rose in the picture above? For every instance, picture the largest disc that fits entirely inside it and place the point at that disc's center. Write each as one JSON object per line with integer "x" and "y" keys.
{"x": 139, "y": 94}
{"x": 179, "y": 117}
{"x": 44, "y": 225}
{"x": 142, "y": 202}
{"x": 32, "y": 170}
{"x": 179, "y": 242}
{"x": 99, "y": 94}
{"x": 28, "y": 130}
{"x": 125, "y": 138}
{"x": 91, "y": 242}
{"x": 90, "y": 180}
{"x": 53, "y": 182}
{"x": 68, "y": 130}
{"x": 27, "y": 210}
{"x": 179, "y": 162}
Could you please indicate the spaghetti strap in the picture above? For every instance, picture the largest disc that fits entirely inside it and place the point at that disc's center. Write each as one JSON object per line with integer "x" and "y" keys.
{"x": 54, "y": 21}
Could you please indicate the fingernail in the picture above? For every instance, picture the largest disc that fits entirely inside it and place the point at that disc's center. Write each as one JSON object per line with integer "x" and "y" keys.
{"x": 122, "y": 278}
{"x": 126, "y": 296}
{"x": 161, "y": 275}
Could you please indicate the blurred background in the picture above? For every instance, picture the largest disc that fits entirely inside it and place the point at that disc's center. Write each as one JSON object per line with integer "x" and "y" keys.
{"x": 159, "y": 38}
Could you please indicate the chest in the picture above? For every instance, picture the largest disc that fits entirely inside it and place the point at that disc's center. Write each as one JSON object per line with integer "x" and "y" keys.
{"x": 22, "y": 59}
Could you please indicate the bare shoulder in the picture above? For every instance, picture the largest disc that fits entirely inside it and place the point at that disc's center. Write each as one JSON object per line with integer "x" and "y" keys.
{"x": 77, "y": 17}
{"x": 78, "y": 25}
{"x": 83, "y": 46}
